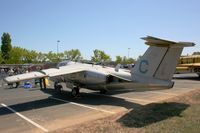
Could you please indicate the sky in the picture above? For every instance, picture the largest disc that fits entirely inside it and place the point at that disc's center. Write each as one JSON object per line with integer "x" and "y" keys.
{"x": 109, "y": 25}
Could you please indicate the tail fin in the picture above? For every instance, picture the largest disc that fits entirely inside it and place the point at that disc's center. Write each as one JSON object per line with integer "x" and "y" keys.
{"x": 159, "y": 62}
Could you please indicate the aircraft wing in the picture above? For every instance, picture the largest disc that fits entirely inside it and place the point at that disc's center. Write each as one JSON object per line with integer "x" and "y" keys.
{"x": 25, "y": 76}
{"x": 55, "y": 72}
{"x": 121, "y": 78}
{"x": 63, "y": 71}
{"x": 52, "y": 72}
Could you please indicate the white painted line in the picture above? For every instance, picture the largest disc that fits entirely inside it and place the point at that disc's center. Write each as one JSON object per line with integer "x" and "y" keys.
{"x": 165, "y": 93}
{"x": 25, "y": 118}
{"x": 183, "y": 88}
{"x": 126, "y": 98}
{"x": 78, "y": 104}
{"x": 135, "y": 99}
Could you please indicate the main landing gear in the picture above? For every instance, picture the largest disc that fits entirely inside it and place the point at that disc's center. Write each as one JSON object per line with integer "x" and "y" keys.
{"x": 58, "y": 87}
{"x": 75, "y": 91}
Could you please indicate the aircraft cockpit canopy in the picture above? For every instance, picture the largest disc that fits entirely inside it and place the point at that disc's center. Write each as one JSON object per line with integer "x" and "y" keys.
{"x": 65, "y": 63}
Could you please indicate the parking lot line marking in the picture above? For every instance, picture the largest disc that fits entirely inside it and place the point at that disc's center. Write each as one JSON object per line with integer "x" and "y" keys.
{"x": 126, "y": 98}
{"x": 78, "y": 104}
{"x": 166, "y": 93}
{"x": 134, "y": 99}
{"x": 24, "y": 117}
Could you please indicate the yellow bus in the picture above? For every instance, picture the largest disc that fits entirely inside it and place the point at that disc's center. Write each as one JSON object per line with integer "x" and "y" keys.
{"x": 189, "y": 64}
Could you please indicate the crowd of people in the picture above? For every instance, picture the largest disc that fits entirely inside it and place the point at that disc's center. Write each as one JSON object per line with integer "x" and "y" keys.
{"x": 10, "y": 71}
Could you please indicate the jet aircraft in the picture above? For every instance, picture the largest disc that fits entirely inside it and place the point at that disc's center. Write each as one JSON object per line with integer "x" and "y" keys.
{"x": 154, "y": 70}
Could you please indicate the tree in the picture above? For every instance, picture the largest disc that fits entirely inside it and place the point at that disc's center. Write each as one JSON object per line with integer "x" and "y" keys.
{"x": 52, "y": 57}
{"x": 100, "y": 56}
{"x": 6, "y": 46}
{"x": 1, "y": 59}
{"x": 16, "y": 56}
{"x": 20, "y": 55}
{"x": 126, "y": 60}
{"x": 60, "y": 56}
{"x": 73, "y": 55}
{"x": 118, "y": 59}
{"x": 33, "y": 56}
{"x": 41, "y": 57}
{"x": 29, "y": 56}
{"x": 130, "y": 61}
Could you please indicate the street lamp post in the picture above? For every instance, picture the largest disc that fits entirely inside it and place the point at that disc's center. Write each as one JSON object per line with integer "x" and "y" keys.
{"x": 128, "y": 52}
{"x": 58, "y": 46}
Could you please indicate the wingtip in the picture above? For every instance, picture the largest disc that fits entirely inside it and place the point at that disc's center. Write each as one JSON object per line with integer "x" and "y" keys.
{"x": 149, "y": 37}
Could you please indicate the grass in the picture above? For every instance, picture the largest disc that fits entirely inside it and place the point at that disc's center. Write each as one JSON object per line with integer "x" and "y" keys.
{"x": 177, "y": 115}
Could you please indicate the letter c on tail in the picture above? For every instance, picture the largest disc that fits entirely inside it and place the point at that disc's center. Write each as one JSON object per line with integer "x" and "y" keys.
{"x": 143, "y": 66}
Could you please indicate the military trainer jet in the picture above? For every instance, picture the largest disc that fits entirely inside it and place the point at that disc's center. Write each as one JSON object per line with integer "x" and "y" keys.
{"x": 153, "y": 71}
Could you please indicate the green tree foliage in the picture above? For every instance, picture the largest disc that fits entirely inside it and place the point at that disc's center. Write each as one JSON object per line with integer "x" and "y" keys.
{"x": 1, "y": 59}
{"x": 100, "y": 56}
{"x": 41, "y": 57}
{"x": 73, "y": 55}
{"x": 52, "y": 57}
{"x": 16, "y": 56}
{"x": 60, "y": 56}
{"x": 33, "y": 56}
{"x": 130, "y": 61}
{"x": 20, "y": 55}
{"x": 124, "y": 60}
{"x": 118, "y": 59}
{"x": 6, "y": 46}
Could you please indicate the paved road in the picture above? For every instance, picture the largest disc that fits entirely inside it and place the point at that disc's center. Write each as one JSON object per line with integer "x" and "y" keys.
{"x": 33, "y": 110}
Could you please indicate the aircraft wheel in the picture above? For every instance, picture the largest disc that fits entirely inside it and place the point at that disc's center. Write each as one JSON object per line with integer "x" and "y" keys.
{"x": 58, "y": 87}
{"x": 16, "y": 85}
{"x": 198, "y": 74}
{"x": 75, "y": 91}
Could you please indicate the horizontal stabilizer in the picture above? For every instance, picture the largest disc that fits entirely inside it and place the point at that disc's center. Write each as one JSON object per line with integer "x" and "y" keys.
{"x": 158, "y": 63}
{"x": 153, "y": 41}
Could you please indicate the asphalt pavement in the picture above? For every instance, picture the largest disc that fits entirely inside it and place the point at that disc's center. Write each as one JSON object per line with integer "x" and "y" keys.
{"x": 35, "y": 110}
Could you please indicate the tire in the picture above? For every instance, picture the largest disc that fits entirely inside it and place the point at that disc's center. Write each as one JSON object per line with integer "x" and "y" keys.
{"x": 75, "y": 91}
{"x": 58, "y": 87}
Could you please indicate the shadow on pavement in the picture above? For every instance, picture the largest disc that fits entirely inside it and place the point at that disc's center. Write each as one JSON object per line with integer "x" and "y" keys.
{"x": 141, "y": 115}
{"x": 152, "y": 113}
{"x": 186, "y": 76}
